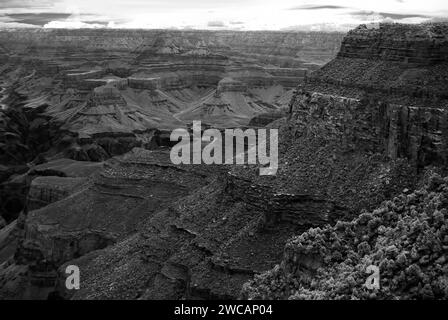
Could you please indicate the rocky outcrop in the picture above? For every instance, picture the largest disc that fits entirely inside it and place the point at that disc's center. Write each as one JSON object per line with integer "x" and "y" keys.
{"x": 404, "y": 63}
{"x": 296, "y": 209}
{"x": 49, "y": 189}
{"x": 143, "y": 83}
{"x": 410, "y": 44}
{"x": 394, "y": 107}
{"x": 370, "y": 124}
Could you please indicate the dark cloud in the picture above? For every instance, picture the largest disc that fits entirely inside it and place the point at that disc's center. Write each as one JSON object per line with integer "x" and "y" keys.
{"x": 37, "y": 19}
{"x": 390, "y": 15}
{"x": 30, "y": 4}
{"x": 311, "y": 7}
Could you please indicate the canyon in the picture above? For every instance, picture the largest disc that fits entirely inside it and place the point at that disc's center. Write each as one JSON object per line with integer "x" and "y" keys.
{"x": 361, "y": 119}
{"x": 86, "y": 122}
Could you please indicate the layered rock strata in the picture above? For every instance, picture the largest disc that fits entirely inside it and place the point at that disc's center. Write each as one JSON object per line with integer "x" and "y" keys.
{"x": 384, "y": 94}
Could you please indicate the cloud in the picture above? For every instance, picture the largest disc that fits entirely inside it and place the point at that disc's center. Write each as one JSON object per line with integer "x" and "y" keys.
{"x": 321, "y": 27}
{"x": 215, "y": 14}
{"x": 216, "y": 24}
{"x": 387, "y": 15}
{"x": 72, "y": 24}
{"x": 7, "y": 24}
{"x": 313, "y": 7}
{"x": 37, "y": 19}
{"x": 30, "y": 4}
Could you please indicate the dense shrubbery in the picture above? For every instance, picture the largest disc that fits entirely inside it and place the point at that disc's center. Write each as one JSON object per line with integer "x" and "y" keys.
{"x": 406, "y": 238}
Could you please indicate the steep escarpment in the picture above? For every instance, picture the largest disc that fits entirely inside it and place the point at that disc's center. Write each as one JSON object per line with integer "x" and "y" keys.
{"x": 397, "y": 104}
{"x": 411, "y": 44}
{"x": 400, "y": 61}
{"x": 25, "y": 135}
{"x": 401, "y": 115}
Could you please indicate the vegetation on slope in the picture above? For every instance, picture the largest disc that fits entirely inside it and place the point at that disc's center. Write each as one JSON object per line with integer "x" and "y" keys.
{"x": 405, "y": 237}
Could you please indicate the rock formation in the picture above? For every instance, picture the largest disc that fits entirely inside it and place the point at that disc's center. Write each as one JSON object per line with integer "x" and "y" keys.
{"x": 107, "y": 91}
{"x": 395, "y": 107}
{"x": 361, "y": 130}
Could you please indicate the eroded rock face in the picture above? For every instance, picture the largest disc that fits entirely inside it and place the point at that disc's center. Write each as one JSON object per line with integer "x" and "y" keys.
{"x": 369, "y": 124}
{"x": 87, "y": 214}
{"x": 396, "y": 105}
{"x": 396, "y": 108}
{"x": 406, "y": 63}
{"x": 420, "y": 44}
{"x": 49, "y": 189}
{"x": 202, "y": 246}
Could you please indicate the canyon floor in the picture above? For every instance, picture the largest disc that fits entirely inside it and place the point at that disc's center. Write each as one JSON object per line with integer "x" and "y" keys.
{"x": 87, "y": 180}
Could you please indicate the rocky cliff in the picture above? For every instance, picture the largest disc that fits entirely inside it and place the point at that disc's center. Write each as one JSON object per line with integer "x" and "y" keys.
{"x": 383, "y": 98}
{"x": 384, "y": 94}
{"x": 409, "y": 44}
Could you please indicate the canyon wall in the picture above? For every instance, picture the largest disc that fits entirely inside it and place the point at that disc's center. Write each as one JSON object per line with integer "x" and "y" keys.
{"x": 295, "y": 209}
{"x": 386, "y": 92}
{"x": 410, "y": 44}
{"x": 383, "y": 96}
{"x": 371, "y": 125}
{"x": 270, "y": 45}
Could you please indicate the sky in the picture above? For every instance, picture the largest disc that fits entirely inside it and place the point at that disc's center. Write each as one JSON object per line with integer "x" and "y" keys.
{"x": 318, "y": 15}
